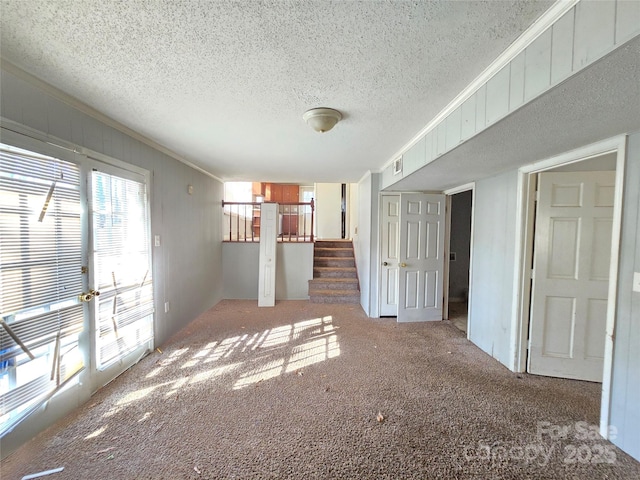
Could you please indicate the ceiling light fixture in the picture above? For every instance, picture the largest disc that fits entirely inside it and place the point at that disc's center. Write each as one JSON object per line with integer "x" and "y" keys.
{"x": 322, "y": 119}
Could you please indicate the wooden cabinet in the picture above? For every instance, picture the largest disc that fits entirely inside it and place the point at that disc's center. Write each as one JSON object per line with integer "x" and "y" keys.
{"x": 281, "y": 193}
{"x": 257, "y": 189}
{"x": 284, "y": 194}
{"x": 273, "y": 193}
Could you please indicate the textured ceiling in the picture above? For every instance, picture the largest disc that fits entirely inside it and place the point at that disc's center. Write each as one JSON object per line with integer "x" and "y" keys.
{"x": 224, "y": 84}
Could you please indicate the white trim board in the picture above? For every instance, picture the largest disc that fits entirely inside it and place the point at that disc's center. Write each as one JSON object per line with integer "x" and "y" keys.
{"x": 459, "y": 189}
{"x": 524, "y": 251}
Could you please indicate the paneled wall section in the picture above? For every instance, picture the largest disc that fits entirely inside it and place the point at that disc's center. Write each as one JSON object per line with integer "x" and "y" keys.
{"x": 584, "y": 34}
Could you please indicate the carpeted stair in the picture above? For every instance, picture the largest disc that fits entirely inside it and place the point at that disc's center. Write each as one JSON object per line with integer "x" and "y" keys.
{"x": 334, "y": 273}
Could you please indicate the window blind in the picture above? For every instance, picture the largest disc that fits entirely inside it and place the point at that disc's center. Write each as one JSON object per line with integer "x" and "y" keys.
{"x": 40, "y": 279}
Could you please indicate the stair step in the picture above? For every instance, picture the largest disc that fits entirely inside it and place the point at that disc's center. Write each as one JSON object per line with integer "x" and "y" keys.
{"x": 334, "y": 262}
{"x": 334, "y": 296}
{"x": 333, "y": 243}
{"x": 333, "y": 284}
{"x": 335, "y": 278}
{"x": 332, "y": 252}
{"x": 320, "y": 288}
{"x": 334, "y": 272}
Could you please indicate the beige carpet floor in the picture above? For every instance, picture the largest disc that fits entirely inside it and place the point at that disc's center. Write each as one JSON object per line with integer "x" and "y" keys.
{"x": 316, "y": 391}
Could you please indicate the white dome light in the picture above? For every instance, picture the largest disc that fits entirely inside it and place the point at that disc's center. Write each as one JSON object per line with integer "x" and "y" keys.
{"x": 322, "y": 119}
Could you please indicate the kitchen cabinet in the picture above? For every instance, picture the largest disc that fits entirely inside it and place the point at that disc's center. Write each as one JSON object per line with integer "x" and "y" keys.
{"x": 284, "y": 194}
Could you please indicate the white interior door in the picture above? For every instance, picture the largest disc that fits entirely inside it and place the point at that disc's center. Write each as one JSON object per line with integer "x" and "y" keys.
{"x": 267, "y": 260}
{"x": 572, "y": 253}
{"x": 422, "y": 221}
{"x": 389, "y": 257}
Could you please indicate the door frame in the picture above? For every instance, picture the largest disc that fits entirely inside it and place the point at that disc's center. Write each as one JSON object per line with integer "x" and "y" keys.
{"x": 99, "y": 377}
{"x": 447, "y": 246}
{"x": 525, "y": 214}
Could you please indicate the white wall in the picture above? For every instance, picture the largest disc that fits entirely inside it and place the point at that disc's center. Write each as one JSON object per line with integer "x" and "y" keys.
{"x": 494, "y": 241}
{"x": 240, "y": 270}
{"x": 187, "y": 267}
{"x": 294, "y": 269}
{"x": 365, "y": 242}
{"x": 625, "y": 388}
{"x": 352, "y": 209}
{"x": 328, "y": 210}
{"x": 362, "y": 240}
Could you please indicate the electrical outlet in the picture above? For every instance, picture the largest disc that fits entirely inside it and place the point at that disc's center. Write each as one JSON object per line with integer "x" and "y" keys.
{"x": 156, "y": 240}
{"x": 166, "y": 307}
{"x": 636, "y": 281}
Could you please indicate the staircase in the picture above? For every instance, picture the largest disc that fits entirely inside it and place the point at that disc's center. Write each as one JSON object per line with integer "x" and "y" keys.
{"x": 334, "y": 273}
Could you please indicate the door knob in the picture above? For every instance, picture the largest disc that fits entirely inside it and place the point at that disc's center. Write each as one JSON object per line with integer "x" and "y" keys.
{"x": 87, "y": 297}
{"x": 386, "y": 264}
{"x": 403, "y": 264}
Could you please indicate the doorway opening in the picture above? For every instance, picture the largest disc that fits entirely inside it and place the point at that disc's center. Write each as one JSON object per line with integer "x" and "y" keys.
{"x": 343, "y": 210}
{"x": 571, "y": 258}
{"x": 460, "y": 207}
{"x": 569, "y": 220}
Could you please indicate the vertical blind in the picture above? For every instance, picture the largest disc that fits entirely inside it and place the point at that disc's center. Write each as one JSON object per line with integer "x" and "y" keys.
{"x": 40, "y": 279}
{"x": 122, "y": 266}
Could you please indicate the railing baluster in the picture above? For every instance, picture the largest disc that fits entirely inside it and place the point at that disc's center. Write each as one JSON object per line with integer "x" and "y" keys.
{"x": 230, "y": 217}
{"x": 291, "y": 219}
{"x": 253, "y": 227}
{"x": 245, "y": 223}
{"x": 304, "y": 224}
{"x": 312, "y": 212}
